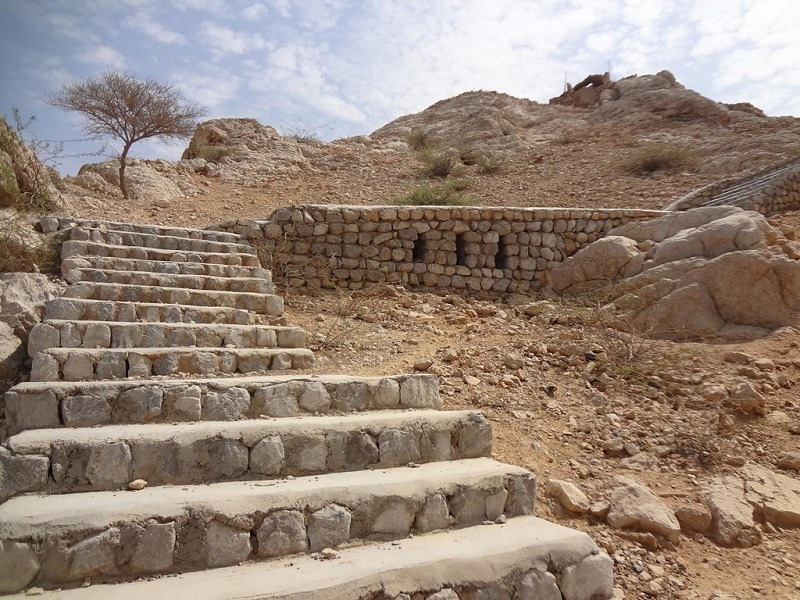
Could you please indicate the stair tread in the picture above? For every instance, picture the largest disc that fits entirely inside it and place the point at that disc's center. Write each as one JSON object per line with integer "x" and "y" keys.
{"x": 449, "y": 558}
{"x": 33, "y": 386}
{"x": 26, "y": 515}
{"x": 160, "y": 350}
{"x": 234, "y": 326}
{"x": 157, "y": 274}
{"x": 104, "y": 284}
{"x": 202, "y": 232}
{"x": 239, "y": 243}
{"x": 200, "y": 253}
{"x": 38, "y": 441}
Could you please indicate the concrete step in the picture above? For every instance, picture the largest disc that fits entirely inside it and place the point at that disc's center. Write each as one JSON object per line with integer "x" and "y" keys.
{"x": 150, "y": 240}
{"x": 170, "y": 529}
{"x": 81, "y": 364}
{"x": 196, "y": 282}
{"x": 187, "y": 232}
{"x": 77, "y": 309}
{"x": 109, "y": 457}
{"x": 525, "y": 558}
{"x": 72, "y": 248}
{"x": 110, "y": 334}
{"x": 110, "y": 263}
{"x": 264, "y": 304}
{"x": 86, "y": 404}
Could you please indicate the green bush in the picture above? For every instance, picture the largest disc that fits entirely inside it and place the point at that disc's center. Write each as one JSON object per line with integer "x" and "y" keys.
{"x": 436, "y": 161}
{"x": 450, "y": 193}
{"x": 418, "y": 139}
{"x": 659, "y": 157}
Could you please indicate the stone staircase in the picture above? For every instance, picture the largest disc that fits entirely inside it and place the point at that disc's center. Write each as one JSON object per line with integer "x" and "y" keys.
{"x": 153, "y": 439}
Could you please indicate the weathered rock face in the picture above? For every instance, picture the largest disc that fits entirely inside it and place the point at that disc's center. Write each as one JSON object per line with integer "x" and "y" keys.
{"x": 239, "y": 149}
{"x": 20, "y": 244}
{"x": 12, "y": 353}
{"x": 753, "y": 494}
{"x": 157, "y": 180}
{"x": 706, "y": 272}
{"x": 634, "y": 506}
{"x": 23, "y": 179}
{"x": 22, "y": 300}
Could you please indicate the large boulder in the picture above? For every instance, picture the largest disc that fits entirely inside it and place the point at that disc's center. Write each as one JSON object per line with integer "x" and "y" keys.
{"x": 22, "y": 300}
{"x": 20, "y": 244}
{"x": 740, "y": 500}
{"x": 12, "y": 353}
{"x": 156, "y": 180}
{"x": 707, "y": 272}
{"x": 24, "y": 181}
{"x": 244, "y": 150}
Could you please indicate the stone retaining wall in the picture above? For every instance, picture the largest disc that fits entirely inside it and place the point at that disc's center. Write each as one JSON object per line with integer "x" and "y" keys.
{"x": 770, "y": 191}
{"x": 474, "y": 248}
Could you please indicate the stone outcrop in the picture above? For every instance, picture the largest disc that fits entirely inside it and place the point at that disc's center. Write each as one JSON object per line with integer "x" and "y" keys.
{"x": 716, "y": 271}
{"x": 243, "y": 150}
{"x": 740, "y": 501}
{"x": 25, "y": 183}
{"x": 158, "y": 181}
{"x": 635, "y": 506}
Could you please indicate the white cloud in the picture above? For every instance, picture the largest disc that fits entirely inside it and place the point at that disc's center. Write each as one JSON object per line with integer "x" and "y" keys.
{"x": 210, "y": 86}
{"x": 102, "y": 56}
{"x": 213, "y": 7}
{"x": 154, "y": 29}
{"x": 254, "y": 12}
{"x": 297, "y": 74}
{"x": 223, "y": 40}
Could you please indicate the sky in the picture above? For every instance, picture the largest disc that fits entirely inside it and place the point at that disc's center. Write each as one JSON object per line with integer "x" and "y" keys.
{"x": 336, "y": 68}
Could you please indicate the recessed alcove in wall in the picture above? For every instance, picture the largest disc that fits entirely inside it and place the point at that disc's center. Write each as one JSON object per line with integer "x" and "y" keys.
{"x": 461, "y": 250}
{"x": 419, "y": 250}
{"x": 501, "y": 256}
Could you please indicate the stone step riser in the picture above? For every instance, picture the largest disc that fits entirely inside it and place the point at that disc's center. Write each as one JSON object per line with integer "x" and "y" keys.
{"x": 162, "y": 242}
{"x": 74, "y": 309}
{"x": 162, "y": 267}
{"x": 525, "y": 559}
{"x": 73, "y": 248}
{"x": 280, "y": 519}
{"x": 195, "y": 282}
{"x": 66, "y": 364}
{"x": 265, "y": 304}
{"x": 192, "y": 454}
{"x": 35, "y": 406}
{"x": 197, "y": 234}
{"x": 100, "y": 334}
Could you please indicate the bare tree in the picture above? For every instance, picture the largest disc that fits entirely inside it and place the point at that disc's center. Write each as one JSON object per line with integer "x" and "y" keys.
{"x": 130, "y": 109}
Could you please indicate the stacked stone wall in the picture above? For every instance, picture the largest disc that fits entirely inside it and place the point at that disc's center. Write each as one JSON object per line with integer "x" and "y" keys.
{"x": 770, "y": 191}
{"x": 473, "y": 248}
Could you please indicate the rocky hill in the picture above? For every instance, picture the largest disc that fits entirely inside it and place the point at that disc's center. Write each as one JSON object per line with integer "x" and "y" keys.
{"x": 676, "y": 452}
{"x": 588, "y": 147}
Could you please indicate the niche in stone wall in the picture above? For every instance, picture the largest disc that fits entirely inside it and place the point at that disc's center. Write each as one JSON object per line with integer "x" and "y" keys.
{"x": 461, "y": 249}
{"x": 501, "y": 256}
{"x": 419, "y": 250}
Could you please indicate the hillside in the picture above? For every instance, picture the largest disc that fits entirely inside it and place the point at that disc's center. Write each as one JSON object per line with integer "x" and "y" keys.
{"x": 709, "y": 425}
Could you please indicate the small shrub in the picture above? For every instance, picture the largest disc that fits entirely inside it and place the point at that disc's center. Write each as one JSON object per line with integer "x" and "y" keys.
{"x": 450, "y": 193}
{"x": 492, "y": 162}
{"x": 418, "y": 139}
{"x": 659, "y": 157}
{"x": 436, "y": 161}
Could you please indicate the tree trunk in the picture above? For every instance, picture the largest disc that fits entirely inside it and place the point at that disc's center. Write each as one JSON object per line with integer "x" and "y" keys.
{"x": 122, "y": 158}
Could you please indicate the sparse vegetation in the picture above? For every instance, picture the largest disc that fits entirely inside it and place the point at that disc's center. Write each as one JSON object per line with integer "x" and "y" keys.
{"x": 449, "y": 193}
{"x": 659, "y": 157}
{"x": 418, "y": 139}
{"x": 436, "y": 161}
